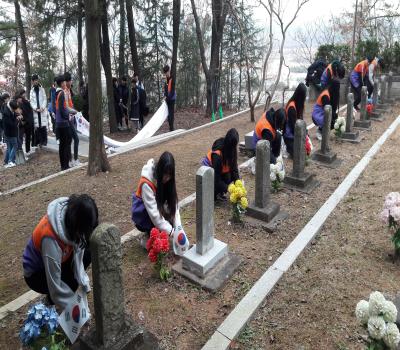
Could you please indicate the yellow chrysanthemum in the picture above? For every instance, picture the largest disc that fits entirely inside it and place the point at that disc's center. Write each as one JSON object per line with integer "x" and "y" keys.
{"x": 243, "y": 202}
{"x": 232, "y": 198}
{"x": 231, "y": 188}
{"x": 241, "y": 192}
{"x": 239, "y": 183}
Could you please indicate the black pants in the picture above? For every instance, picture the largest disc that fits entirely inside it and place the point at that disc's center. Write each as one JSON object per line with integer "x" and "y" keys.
{"x": 118, "y": 114}
{"x": 75, "y": 138}
{"x": 29, "y": 137}
{"x": 64, "y": 149}
{"x": 289, "y": 142}
{"x": 171, "y": 111}
{"x": 220, "y": 188}
{"x": 38, "y": 282}
{"x": 370, "y": 88}
{"x": 357, "y": 96}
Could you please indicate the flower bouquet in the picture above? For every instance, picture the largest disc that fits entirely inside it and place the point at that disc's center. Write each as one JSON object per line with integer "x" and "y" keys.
{"x": 309, "y": 148}
{"x": 277, "y": 174}
{"x": 39, "y": 331}
{"x": 390, "y": 215}
{"x": 340, "y": 126}
{"x": 379, "y": 317}
{"x": 238, "y": 199}
{"x": 370, "y": 108}
{"x": 158, "y": 248}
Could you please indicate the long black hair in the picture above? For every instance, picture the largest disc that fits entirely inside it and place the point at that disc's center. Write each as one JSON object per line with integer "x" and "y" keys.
{"x": 81, "y": 218}
{"x": 334, "y": 92}
{"x": 166, "y": 193}
{"x": 299, "y": 98}
{"x": 229, "y": 148}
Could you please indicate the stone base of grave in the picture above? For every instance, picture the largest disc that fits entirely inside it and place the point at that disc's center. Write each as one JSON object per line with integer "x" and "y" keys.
{"x": 328, "y": 159}
{"x": 305, "y": 184}
{"x": 352, "y": 136}
{"x": 362, "y": 124}
{"x": 375, "y": 116}
{"x": 390, "y": 100}
{"x": 200, "y": 265}
{"x": 133, "y": 337}
{"x": 216, "y": 277}
{"x": 263, "y": 214}
{"x": 268, "y": 227}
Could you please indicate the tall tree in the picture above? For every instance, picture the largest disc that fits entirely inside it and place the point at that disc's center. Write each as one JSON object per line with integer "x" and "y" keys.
{"x": 121, "y": 50}
{"x": 21, "y": 30}
{"x": 219, "y": 13}
{"x": 98, "y": 161}
{"x": 176, "y": 18}
{"x": 106, "y": 61}
{"x": 132, "y": 37}
{"x": 80, "y": 41}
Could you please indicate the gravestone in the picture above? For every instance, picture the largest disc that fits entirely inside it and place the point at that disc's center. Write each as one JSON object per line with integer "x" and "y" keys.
{"x": 349, "y": 135}
{"x": 389, "y": 98}
{"x": 374, "y": 115}
{"x": 382, "y": 105}
{"x": 298, "y": 178}
{"x": 208, "y": 263}
{"x": 363, "y": 123}
{"x": 262, "y": 208}
{"x": 114, "y": 329}
{"x": 324, "y": 156}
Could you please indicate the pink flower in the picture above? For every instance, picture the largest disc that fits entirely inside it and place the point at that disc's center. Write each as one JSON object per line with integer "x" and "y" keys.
{"x": 384, "y": 215}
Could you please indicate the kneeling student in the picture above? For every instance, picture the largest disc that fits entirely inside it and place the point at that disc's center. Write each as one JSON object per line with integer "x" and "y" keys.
{"x": 223, "y": 159}
{"x": 57, "y": 255}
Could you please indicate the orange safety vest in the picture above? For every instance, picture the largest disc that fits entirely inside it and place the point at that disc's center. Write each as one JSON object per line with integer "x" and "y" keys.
{"x": 362, "y": 68}
{"x": 57, "y": 101}
{"x": 143, "y": 181}
{"x": 225, "y": 168}
{"x": 262, "y": 124}
{"x": 323, "y": 93}
{"x": 67, "y": 94}
{"x": 330, "y": 69}
{"x": 288, "y": 106}
{"x": 170, "y": 86}
{"x": 44, "y": 229}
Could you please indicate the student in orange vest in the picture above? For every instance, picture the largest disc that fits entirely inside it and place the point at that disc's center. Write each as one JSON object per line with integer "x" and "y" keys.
{"x": 57, "y": 254}
{"x": 269, "y": 127}
{"x": 155, "y": 202}
{"x": 358, "y": 79}
{"x": 223, "y": 159}
{"x": 335, "y": 70}
{"x": 293, "y": 111}
{"x": 376, "y": 64}
{"x": 330, "y": 96}
{"x": 170, "y": 96}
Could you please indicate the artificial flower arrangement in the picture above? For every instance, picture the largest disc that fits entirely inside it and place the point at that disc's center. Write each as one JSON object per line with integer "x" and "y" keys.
{"x": 309, "y": 148}
{"x": 340, "y": 126}
{"x": 277, "y": 174}
{"x": 379, "y": 315}
{"x": 390, "y": 215}
{"x": 238, "y": 200}
{"x": 39, "y": 331}
{"x": 158, "y": 248}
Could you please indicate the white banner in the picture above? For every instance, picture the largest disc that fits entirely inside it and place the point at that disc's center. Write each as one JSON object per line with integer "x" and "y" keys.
{"x": 75, "y": 316}
{"x": 83, "y": 126}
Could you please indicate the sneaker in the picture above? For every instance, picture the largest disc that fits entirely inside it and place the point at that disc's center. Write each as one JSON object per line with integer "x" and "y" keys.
{"x": 58, "y": 142}
{"x": 71, "y": 163}
{"x": 319, "y": 135}
{"x": 77, "y": 162}
{"x": 119, "y": 128}
{"x": 10, "y": 165}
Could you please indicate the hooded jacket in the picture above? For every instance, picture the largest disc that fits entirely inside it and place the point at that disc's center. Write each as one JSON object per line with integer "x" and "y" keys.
{"x": 50, "y": 257}
{"x": 150, "y": 203}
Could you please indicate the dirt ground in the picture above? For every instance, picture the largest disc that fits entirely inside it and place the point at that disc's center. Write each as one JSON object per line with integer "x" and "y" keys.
{"x": 183, "y": 316}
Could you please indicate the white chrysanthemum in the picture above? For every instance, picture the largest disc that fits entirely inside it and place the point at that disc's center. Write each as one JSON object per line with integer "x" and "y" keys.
{"x": 376, "y": 327}
{"x": 279, "y": 160}
{"x": 395, "y": 213}
{"x": 281, "y": 175}
{"x": 392, "y": 336}
{"x": 392, "y": 200}
{"x": 376, "y": 302}
{"x": 362, "y": 312}
{"x": 343, "y": 128}
{"x": 389, "y": 311}
{"x": 273, "y": 176}
{"x": 336, "y": 126}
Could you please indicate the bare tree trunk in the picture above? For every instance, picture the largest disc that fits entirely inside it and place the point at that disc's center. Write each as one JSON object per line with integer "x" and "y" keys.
{"x": 80, "y": 43}
{"x": 16, "y": 63}
{"x": 98, "y": 161}
{"x": 106, "y": 61}
{"x": 121, "y": 51}
{"x": 63, "y": 46}
{"x": 132, "y": 37}
{"x": 176, "y": 14}
{"x": 21, "y": 31}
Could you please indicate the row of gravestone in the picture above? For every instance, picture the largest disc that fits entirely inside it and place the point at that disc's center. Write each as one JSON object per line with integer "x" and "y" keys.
{"x": 209, "y": 262}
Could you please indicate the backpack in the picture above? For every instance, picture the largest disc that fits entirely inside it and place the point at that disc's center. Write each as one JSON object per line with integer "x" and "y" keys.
{"x": 315, "y": 71}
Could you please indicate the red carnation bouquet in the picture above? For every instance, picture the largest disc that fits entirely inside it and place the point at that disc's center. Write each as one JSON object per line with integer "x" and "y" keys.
{"x": 158, "y": 248}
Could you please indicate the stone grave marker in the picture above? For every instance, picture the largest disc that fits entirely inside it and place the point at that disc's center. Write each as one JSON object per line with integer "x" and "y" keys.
{"x": 298, "y": 179}
{"x": 324, "y": 155}
{"x": 114, "y": 329}
{"x": 208, "y": 263}
{"x": 389, "y": 97}
{"x": 363, "y": 123}
{"x": 350, "y": 135}
{"x": 374, "y": 115}
{"x": 263, "y": 208}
